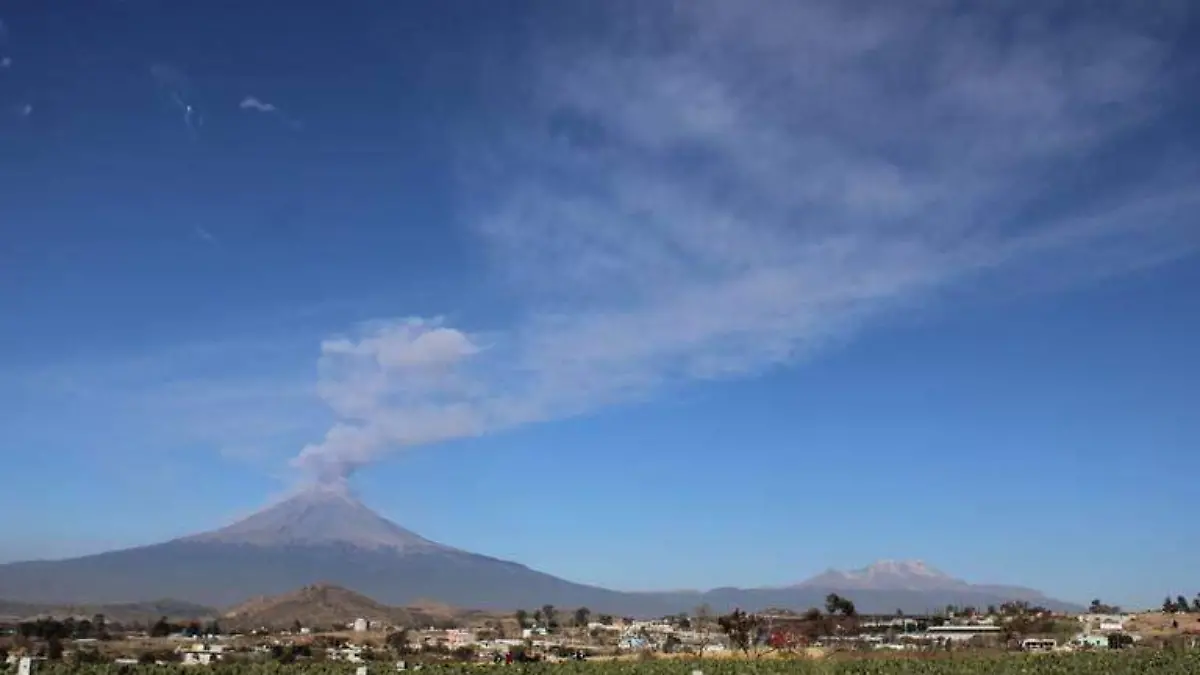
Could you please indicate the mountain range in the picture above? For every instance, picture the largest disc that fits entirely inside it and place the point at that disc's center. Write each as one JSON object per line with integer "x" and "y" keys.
{"x": 326, "y": 536}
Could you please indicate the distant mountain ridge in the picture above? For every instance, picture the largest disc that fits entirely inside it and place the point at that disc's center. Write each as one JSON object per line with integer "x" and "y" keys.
{"x": 144, "y": 612}
{"x": 916, "y": 577}
{"x": 324, "y": 536}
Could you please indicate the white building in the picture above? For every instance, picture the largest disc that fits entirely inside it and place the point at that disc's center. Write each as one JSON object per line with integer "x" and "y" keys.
{"x": 351, "y": 654}
{"x": 963, "y": 633}
{"x": 201, "y": 654}
{"x": 360, "y": 625}
{"x": 28, "y": 665}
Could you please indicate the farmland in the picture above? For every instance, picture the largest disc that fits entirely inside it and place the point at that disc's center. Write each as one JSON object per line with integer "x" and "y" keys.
{"x": 1160, "y": 662}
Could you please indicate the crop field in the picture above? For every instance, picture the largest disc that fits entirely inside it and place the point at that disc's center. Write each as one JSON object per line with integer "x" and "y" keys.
{"x": 1099, "y": 663}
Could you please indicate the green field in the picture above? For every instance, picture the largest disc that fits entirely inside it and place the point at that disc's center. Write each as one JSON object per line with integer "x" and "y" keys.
{"x": 1101, "y": 663}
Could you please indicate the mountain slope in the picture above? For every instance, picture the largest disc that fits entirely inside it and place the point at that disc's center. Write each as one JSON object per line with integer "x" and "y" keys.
{"x": 320, "y": 517}
{"x": 144, "y": 612}
{"x": 327, "y": 537}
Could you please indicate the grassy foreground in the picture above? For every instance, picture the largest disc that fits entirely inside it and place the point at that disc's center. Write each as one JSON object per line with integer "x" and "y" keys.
{"x": 1097, "y": 663}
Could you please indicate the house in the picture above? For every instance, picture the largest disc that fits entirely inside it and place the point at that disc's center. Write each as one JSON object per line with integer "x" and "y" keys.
{"x": 1039, "y": 645}
{"x": 360, "y": 625}
{"x": 1105, "y": 623}
{"x": 350, "y": 654}
{"x": 458, "y": 637}
{"x": 200, "y": 654}
{"x": 633, "y": 643}
{"x": 1090, "y": 641}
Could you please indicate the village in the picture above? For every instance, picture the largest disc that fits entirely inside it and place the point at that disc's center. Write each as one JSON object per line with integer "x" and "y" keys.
{"x": 540, "y": 637}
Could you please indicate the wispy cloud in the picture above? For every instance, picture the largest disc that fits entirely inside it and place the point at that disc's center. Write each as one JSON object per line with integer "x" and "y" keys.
{"x": 252, "y": 103}
{"x": 257, "y": 104}
{"x": 726, "y": 187}
{"x": 203, "y": 233}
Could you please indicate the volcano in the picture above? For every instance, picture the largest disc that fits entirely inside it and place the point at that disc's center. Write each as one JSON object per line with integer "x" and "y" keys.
{"x": 316, "y": 536}
{"x": 323, "y": 536}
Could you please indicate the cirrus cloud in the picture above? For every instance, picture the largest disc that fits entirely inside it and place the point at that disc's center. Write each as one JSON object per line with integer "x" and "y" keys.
{"x": 716, "y": 188}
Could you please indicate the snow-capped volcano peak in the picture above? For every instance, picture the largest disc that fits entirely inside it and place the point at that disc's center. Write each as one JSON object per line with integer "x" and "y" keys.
{"x": 887, "y": 575}
{"x": 915, "y": 568}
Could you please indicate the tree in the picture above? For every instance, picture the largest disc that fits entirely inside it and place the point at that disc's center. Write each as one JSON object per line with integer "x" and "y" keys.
{"x": 836, "y": 604}
{"x": 1168, "y": 606}
{"x": 1196, "y": 603}
{"x": 833, "y": 602}
{"x": 1181, "y": 604}
{"x": 214, "y": 628}
{"x": 99, "y": 626}
{"x": 160, "y": 628}
{"x": 538, "y": 617}
{"x": 606, "y": 619}
{"x": 551, "y": 616}
{"x": 296, "y": 627}
{"x": 54, "y": 649}
{"x": 581, "y": 617}
{"x": 522, "y": 618}
{"x": 741, "y": 628}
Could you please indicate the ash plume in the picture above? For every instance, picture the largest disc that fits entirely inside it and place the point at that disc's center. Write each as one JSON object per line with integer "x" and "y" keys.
{"x": 664, "y": 216}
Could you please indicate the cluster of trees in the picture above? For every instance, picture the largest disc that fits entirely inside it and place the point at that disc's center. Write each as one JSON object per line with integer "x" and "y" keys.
{"x": 66, "y": 629}
{"x": 163, "y": 628}
{"x": 788, "y": 630}
{"x": 1181, "y": 605}
{"x": 1098, "y": 607}
{"x": 548, "y": 617}
{"x": 45, "y": 636}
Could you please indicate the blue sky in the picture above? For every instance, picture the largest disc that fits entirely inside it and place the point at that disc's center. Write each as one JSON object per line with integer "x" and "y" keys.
{"x": 737, "y": 291}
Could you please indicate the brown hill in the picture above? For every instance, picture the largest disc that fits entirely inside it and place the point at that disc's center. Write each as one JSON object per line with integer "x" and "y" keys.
{"x": 319, "y": 606}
